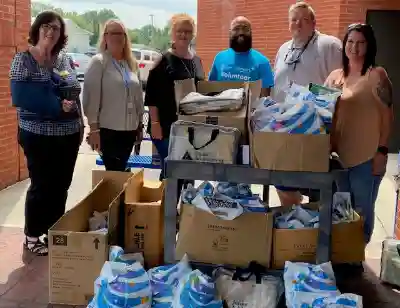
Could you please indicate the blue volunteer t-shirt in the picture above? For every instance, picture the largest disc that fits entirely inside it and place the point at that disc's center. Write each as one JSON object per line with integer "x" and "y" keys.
{"x": 242, "y": 66}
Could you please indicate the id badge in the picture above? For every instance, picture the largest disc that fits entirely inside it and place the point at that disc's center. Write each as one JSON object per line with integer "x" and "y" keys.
{"x": 130, "y": 107}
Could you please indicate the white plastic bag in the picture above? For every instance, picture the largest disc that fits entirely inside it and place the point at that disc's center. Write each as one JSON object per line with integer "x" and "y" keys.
{"x": 390, "y": 262}
{"x": 206, "y": 198}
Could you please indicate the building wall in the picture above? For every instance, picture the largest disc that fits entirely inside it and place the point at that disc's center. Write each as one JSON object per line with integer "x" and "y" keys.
{"x": 78, "y": 39}
{"x": 270, "y": 22}
{"x": 14, "y": 26}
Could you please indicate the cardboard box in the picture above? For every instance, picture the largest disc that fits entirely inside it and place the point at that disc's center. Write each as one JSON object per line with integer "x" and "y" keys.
{"x": 290, "y": 152}
{"x": 77, "y": 256}
{"x": 144, "y": 219}
{"x": 236, "y": 119}
{"x": 299, "y": 245}
{"x": 206, "y": 238}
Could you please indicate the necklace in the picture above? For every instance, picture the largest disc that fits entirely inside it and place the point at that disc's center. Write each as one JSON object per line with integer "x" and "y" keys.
{"x": 192, "y": 70}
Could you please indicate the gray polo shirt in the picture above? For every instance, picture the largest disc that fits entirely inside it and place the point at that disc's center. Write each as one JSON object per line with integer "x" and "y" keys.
{"x": 322, "y": 55}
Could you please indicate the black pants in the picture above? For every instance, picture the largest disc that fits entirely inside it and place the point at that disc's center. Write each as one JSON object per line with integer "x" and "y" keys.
{"x": 116, "y": 147}
{"x": 51, "y": 162}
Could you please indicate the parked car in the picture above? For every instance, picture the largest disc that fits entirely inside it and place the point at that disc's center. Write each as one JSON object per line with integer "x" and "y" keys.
{"x": 145, "y": 59}
{"x": 90, "y": 53}
{"x": 80, "y": 62}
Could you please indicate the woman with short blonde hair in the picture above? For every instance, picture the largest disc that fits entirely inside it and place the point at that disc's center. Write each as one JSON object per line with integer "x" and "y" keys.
{"x": 178, "y": 63}
{"x": 113, "y": 98}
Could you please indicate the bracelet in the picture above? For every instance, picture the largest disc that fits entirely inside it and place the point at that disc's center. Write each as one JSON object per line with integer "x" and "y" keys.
{"x": 95, "y": 131}
{"x": 154, "y": 122}
{"x": 383, "y": 150}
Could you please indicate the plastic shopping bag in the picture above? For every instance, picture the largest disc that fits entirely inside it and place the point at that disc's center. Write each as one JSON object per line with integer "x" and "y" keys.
{"x": 339, "y": 301}
{"x": 117, "y": 254}
{"x": 196, "y": 290}
{"x": 305, "y": 282}
{"x": 206, "y": 198}
{"x": 248, "y": 290}
{"x": 300, "y": 118}
{"x": 122, "y": 286}
{"x": 390, "y": 260}
{"x": 164, "y": 281}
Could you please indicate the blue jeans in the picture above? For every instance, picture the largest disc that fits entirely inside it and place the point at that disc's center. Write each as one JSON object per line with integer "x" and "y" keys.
{"x": 162, "y": 148}
{"x": 364, "y": 187}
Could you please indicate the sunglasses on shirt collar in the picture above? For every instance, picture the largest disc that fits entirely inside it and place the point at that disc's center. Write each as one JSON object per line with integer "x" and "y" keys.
{"x": 293, "y": 55}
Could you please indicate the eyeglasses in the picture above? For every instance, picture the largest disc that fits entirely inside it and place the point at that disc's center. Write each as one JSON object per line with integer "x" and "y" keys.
{"x": 293, "y": 55}
{"x": 48, "y": 27}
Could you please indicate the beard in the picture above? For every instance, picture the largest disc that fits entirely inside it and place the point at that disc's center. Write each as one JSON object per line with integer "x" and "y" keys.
{"x": 241, "y": 43}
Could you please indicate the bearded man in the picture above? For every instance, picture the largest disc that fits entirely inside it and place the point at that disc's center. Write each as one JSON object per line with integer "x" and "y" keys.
{"x": 241, "y": 62}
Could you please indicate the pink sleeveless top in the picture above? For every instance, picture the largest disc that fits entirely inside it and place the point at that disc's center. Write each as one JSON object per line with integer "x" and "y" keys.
{"x": 358, "y": 120}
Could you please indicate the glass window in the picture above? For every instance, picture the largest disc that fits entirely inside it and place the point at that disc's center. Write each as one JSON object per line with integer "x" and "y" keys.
{"x": 137, "y": 54}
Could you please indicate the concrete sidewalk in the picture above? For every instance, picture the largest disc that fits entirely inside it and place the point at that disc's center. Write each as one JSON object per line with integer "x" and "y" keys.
{"x": 12, "y": 198}
{"x": 24, "y": 278}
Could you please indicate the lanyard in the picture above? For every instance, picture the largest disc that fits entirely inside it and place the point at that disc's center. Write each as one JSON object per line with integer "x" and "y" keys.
{"x": 124, "y": 72}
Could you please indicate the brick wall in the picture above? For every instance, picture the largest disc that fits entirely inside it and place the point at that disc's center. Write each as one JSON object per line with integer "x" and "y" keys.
{"x": 14, "y": 27}
{"x": 270, "y": 21}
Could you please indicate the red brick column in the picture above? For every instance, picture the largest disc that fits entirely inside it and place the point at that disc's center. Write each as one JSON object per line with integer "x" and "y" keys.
{"x": 14, "y": 26}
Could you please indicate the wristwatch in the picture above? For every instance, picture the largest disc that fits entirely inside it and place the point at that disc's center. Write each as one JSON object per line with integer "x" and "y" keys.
{"x": 383, "y": 150}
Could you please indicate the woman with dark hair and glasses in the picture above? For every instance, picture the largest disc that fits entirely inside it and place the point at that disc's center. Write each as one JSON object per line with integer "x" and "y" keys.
{"x": 362, "y": 121}
{"x": 46, "y": 92}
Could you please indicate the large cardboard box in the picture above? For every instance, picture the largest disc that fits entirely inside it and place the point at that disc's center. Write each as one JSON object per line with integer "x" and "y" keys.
{"x": 300, "y": 245}
{"x": 144, "y": 219}
{"x": 290, "y": 152}
{"x": 77, "y": 256}
{"x": 206, "y": 238}
{"x": 236, "y": 119}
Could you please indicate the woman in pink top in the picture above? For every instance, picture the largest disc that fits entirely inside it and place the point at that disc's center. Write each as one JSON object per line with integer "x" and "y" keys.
{"x": 362, "y": 121}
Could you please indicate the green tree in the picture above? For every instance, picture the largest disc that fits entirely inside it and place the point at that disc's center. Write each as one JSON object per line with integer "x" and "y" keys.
{"x": 93, "y": 21}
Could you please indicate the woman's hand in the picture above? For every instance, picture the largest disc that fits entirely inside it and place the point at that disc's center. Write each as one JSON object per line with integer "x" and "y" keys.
{"x": 156, "y": 131}
{"x": 93, "y": 139}
{"x": 379, "y": 164}
{"x": 139, "y": 132}
{"x": 68, "y": 106}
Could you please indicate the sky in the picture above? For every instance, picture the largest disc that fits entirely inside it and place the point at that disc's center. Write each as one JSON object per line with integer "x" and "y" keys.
{"x": 134, "y": 13}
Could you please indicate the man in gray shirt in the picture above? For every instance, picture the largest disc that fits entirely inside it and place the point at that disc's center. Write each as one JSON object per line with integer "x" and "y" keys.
{"x": 309, "y": 56}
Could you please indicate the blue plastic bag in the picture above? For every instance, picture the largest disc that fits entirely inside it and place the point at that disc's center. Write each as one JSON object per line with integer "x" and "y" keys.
{"x": 122, "y": 286}
{"x": 196, "y": 290}
{"x": 314, "y": 286}
{"x": 164, "y": 281}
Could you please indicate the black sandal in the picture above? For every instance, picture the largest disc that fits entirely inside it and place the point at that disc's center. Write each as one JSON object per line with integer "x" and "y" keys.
{"x": 37, "y": 247}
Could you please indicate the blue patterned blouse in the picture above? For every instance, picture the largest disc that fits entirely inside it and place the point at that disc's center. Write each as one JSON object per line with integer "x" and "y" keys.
{"x": 37, "y": 93}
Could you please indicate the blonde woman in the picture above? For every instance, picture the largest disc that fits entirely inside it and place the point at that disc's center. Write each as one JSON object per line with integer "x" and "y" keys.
{"x": 113, "y": 98}
{"x": 177, "y": 63}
